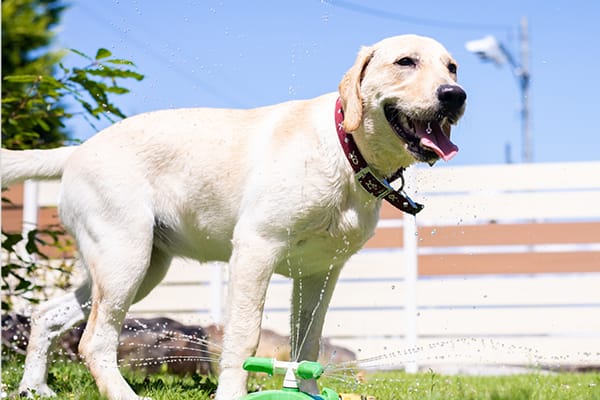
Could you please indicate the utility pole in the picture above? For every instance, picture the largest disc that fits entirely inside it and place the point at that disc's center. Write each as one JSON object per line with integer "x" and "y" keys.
{"x": 524, "y": 78}
{"x": 490, "y": 49}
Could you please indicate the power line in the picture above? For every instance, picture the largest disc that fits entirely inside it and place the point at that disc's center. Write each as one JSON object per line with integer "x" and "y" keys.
{"x": 374, "y": 12}
{"x": 161, "y": 58}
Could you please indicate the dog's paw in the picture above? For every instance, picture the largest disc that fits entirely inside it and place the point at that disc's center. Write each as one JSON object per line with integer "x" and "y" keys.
{"x": 232, "y": 384}
{"x": 36, "y": 391}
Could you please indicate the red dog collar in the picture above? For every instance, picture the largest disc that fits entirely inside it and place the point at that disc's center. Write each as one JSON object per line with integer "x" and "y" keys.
{"x": 380, "y": 188}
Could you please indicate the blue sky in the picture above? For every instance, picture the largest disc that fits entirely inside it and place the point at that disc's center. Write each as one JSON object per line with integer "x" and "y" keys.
{"x": 205, "y": 53}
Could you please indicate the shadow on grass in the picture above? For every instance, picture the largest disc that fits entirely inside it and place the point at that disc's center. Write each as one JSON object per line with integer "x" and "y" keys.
{"x": 162, "y": 383}
{"x": 70, "y": 379}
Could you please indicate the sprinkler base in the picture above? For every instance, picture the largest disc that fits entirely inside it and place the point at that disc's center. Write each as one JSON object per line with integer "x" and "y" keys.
{"x": 326, "y": 394}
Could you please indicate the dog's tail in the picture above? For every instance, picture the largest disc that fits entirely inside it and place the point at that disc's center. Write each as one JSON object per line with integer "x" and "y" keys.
{"x": 19, "y": 165}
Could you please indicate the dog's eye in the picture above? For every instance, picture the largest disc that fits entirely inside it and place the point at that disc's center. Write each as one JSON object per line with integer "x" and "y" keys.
{"x": 452, "y": 68}
{"x": 407, "y": 62}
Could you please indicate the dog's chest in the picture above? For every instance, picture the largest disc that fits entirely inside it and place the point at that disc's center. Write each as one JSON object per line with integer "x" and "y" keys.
{"x": 324, "y": 246}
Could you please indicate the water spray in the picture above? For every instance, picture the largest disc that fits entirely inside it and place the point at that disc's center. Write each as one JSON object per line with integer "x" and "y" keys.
{"x": 292, "y": 371}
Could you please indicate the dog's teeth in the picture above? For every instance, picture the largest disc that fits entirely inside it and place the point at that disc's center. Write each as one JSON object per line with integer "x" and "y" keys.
{"x": 406, "y": 123}
{"x": 403, "y": 120}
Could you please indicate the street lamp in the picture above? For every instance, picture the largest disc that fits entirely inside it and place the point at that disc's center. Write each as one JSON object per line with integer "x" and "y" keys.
{"x": 490, "y": 49}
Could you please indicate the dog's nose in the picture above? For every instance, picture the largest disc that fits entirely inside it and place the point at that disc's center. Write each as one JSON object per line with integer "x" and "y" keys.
{"x": 452, "y": 97}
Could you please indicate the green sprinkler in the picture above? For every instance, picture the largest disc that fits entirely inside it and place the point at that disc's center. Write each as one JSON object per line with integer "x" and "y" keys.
{"x": 292, "y": 371}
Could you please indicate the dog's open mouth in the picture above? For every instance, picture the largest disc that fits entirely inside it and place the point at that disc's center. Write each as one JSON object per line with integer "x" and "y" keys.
{"x": 426, "y": 140}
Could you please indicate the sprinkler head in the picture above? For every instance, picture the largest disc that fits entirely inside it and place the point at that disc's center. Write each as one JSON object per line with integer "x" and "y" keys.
{"x": 271, "y": 366}
{"x": 292, "y": 371}
{"x": 309, "y": 370}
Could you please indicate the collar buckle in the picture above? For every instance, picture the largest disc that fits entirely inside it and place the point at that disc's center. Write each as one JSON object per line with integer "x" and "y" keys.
{"x": 377, "y": 187}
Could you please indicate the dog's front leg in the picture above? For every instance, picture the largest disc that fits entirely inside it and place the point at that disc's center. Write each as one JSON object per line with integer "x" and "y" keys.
{"x": 310, "y": 300}
{"x": 250, "y": 270}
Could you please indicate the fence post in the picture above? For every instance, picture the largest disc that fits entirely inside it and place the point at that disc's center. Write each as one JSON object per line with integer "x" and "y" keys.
{"x": 410, "y": 278}
{"x": 216, "y": 292}
{"x": 30, "y": 215}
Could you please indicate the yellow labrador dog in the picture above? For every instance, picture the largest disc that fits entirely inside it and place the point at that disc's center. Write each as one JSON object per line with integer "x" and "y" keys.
{"x": 270, "y": 190}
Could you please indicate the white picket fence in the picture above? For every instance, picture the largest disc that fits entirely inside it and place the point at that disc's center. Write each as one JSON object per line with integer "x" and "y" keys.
{"x": 381, "y": 310}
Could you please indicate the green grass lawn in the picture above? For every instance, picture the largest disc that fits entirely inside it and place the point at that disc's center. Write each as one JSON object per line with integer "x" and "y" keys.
{"x": 72, "y": 381}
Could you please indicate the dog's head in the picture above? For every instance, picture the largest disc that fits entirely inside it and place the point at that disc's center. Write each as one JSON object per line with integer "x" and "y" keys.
{"x": 400, "y": 99}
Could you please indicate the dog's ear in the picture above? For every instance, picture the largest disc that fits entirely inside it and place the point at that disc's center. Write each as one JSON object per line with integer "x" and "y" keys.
{"x": 349, "y": 89}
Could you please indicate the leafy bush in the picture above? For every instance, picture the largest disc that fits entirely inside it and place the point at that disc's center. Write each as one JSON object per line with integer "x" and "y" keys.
{"x": 27, "y": 272}
{"x": 36, "y": 106}
{"x": 37, "y": 103}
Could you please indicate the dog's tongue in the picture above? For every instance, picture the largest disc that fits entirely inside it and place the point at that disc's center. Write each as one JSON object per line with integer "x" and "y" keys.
{"x": 433, "y": 138}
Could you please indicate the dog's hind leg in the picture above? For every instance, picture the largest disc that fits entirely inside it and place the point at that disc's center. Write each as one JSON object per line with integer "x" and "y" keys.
{"x": 48, "y": 323}
{"x": 160, "y": 262}
{"x": 118, "y": 264}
